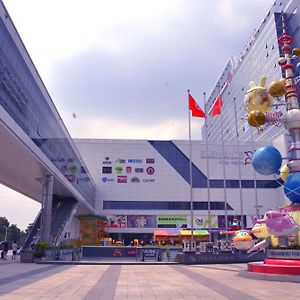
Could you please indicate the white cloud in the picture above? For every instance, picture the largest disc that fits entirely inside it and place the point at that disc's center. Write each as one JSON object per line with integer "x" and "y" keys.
{"x": 18, "y": 209}
{"x": 169, "y": 129}
{"x": 124, "y": 66}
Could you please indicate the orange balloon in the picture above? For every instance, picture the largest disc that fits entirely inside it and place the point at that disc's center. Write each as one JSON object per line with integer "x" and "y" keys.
{"x": 296, "y": 51}
{"x": 276, "y": 89}
{"x": 256, "y": 118}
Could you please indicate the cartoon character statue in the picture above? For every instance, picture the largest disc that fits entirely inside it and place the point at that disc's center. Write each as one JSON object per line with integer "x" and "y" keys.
{"x": 279, "y": 223}
{"x": 242, "y": 239}
{"x": 257, "y": 97}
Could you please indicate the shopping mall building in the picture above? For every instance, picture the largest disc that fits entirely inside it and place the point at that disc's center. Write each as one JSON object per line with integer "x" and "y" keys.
{"x": 140, "y": 185}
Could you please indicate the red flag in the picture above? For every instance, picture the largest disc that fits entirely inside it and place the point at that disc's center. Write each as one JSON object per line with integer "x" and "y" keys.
{"x": 196, "y": 110}
{"x": 216, "y": 110}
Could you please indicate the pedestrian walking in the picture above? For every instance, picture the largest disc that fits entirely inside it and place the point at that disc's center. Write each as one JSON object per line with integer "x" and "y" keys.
{"x": 5, "y": 249}
{"x": 14, "y": 247}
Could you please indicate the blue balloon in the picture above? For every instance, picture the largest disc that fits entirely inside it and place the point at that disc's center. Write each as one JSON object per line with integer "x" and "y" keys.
{"x": 298, "y": 67}
{"x": 292, "y": 187}
{"x": 267, "y": 160}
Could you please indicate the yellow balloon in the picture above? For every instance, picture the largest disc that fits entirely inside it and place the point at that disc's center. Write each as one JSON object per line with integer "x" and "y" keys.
{"x": 282, "y": 81}
{"x": 296, "y": 51}
{"x": 276, "y": 89}
{"x": 284, "y": 172}
{"x": 256, "y": 118}
{"x": 260, "y": 231}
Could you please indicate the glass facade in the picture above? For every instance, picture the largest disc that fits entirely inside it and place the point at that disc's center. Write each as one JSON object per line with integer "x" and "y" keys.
{"x": 22, "y": 98}
{"x": 258, "y": 58}
{"x": 164, "y": 205}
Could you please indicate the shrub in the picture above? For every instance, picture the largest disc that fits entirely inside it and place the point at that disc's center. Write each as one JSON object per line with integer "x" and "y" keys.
{"x": 39, "y": 250}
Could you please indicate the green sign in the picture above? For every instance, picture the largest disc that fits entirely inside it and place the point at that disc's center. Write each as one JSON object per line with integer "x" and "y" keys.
{"x": 171, "y": 220}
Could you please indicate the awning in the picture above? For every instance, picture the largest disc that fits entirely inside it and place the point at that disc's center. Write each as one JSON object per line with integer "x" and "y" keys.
{"x": 178, "y": 232}
{"x": 195, "y": 232}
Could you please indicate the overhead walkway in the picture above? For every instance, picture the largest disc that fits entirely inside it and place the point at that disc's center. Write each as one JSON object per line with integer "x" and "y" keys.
{"x": 37, "y": 155}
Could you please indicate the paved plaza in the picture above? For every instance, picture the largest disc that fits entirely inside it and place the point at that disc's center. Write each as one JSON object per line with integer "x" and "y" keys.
{"x": 52, "y": 281}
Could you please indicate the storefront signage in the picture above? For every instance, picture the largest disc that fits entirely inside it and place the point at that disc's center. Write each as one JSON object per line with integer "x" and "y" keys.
{"x": 171, "y": 221}
{"x": 203, "y": 221}
{"x": 117, "y": 221}
{"x": 141, "y": 221}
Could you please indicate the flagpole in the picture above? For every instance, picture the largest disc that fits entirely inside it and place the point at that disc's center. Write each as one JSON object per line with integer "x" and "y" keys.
{"x": 224, "y": 173}
{"x": 239, "y": 164}
{"x": 207, "y": 171}
{"x": 191, "y": 177}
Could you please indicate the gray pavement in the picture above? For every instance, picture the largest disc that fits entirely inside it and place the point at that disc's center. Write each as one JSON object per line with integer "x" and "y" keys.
{"x": 115, "y": 281}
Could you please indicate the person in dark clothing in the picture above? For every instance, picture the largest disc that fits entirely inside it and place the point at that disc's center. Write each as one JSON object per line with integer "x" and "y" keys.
{"x": 5, "y": 249}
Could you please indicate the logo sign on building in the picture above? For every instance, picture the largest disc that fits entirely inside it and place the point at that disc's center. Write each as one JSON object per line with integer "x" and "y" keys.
{"x": 117, "y": 221}
{"x": 171, "y": 221}
{"x": 122, "y": 179}
{"x": 148, "y": 180}
{"x": 120, "y": 161}
{"x": 106, "y": 179}
{"x": 135, "y": 179}
{"x": 139, "y": 170}
{"x": 150, "y": 170}
{"x": 118, "y": 170}
{"x": 141, "y": 221}
{"x": 106, "y": 161}
{"x": 203, "y": 222}
{"x": 149, "y": 160}
{"x": 135, "y": 161}
{"x": 106, "y": 170}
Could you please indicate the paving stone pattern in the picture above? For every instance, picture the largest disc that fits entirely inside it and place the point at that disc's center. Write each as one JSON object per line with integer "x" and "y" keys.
{"x": 146, "y": 282}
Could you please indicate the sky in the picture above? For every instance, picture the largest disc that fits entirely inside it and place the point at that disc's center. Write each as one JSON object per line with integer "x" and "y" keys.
{"x": 121, "y": 69}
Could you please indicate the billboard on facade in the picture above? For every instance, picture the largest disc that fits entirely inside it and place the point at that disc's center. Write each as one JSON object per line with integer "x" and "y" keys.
{"x": 141, "y": 221}
{"x": 169, "y": 221}
{"x": 203, "y": 221}
{"x": 117, "y": 221}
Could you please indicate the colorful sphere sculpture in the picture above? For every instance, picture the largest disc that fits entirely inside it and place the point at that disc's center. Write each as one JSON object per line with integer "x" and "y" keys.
{"x": 284, "y": 172}
{"x": 256, "y": 118}
{"x": 292, "y": 187}
{"x": 277, "y": 88}
{"x": 267, "y": 160}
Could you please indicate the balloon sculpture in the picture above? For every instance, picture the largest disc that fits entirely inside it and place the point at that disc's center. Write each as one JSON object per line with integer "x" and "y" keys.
{"x": 267, "y": 160}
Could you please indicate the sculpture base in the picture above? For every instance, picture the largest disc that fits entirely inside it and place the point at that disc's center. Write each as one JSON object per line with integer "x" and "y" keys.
{"x": 281, "y": 265}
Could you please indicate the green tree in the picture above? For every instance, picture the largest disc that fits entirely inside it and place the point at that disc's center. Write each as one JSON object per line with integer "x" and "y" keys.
{"x": 4, "y": 224}
{"x": 14, "y": 233}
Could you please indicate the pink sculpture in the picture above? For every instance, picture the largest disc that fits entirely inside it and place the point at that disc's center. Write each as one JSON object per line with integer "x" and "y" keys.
{"x": 279, "y": 223}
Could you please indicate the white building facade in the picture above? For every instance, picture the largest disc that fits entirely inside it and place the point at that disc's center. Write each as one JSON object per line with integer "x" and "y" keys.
{"x": 145, "y": 185}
